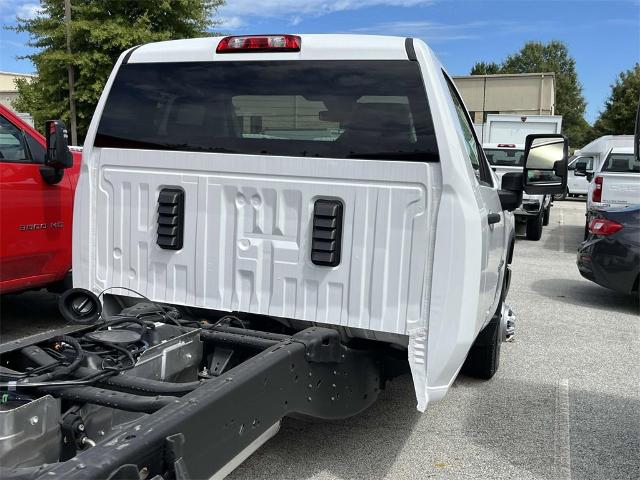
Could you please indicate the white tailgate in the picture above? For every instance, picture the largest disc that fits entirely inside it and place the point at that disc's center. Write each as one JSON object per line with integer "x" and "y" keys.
{"x": 620, "y": 188}
{"x": 247, "y": 235}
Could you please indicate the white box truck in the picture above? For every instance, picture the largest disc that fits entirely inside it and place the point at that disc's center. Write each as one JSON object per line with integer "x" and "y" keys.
{"x": 504, "y": 147}
{"x": 294, "y": 221}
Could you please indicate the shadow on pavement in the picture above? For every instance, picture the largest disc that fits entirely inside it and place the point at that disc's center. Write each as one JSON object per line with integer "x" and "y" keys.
{"x": 364, "y": 446}
{"x": 587, "y": 294}
{"x": 28, "y": 313}
{"x": 569, "y": 236}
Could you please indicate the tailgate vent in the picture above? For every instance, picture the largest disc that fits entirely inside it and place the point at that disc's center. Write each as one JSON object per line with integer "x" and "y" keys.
{"x": 327, "y": 233}
{"x": 170, "y": 218}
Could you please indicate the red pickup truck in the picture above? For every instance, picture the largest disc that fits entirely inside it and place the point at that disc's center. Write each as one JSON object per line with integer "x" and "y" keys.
{"x": 36, "y": 208}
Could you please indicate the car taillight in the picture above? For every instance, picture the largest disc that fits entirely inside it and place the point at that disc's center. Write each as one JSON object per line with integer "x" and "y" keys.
{"x": 596, "y": 196}
{"x": 259, "y": 43}
{"x": 604, "y": 227}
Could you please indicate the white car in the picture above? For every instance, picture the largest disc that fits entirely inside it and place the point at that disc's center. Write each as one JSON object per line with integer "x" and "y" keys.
{"x": 272, "y": 224}
{"x": 535, "y": 209}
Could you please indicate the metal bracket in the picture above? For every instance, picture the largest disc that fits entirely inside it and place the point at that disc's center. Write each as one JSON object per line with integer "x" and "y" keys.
{"x": 219, "y": 360}
{"x": 73, "y": 431}
{"x": 322, "y": 345}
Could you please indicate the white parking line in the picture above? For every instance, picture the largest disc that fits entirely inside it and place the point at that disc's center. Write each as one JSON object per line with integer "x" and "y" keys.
{"x": 562, "y": 436}
{"x": 562, "y": 231}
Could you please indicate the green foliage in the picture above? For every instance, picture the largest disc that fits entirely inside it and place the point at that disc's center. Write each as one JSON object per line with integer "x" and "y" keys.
{"x": 100, "y": 31}
{"x": 619, "y": 115}
{"x": 485, "y": 68}
{"x": 537, "y": 57}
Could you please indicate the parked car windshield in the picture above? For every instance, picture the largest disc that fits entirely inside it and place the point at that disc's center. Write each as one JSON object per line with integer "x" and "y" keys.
{"x": 337, "y": 109}
{"x": 622, "y": 163}
{"x": 508, "y": 157}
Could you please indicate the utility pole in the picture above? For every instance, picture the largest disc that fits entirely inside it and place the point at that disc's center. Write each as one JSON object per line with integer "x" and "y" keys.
{"x": 72, "y": 100}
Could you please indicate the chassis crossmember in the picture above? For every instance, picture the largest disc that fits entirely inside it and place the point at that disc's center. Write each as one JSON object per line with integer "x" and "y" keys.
{"x": 200, "y": 434}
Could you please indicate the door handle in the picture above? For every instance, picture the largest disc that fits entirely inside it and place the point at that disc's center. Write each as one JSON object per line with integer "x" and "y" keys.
{"x": 493, "y": 218}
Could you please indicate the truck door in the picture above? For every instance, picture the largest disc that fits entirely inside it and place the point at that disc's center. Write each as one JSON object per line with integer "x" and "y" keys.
{"x": 577, "y": 184}
{"x": 493, "y": 226}
{"x": 36, "y": 216}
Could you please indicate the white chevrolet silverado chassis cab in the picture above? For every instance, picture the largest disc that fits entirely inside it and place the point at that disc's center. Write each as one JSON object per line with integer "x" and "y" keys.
{"x": 264, "y": 144}
{"x": 266, "y": 226}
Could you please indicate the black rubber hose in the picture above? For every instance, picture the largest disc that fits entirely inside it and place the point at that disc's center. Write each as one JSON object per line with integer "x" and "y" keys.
{"x": 119, "y": 321}
{"x": 245, "y": 331}
{"x": 141, "y": 385}
{"x": 58, "y": 383}
{"x": 110, "y": 398}
{"x": 241, "y": 340}
{"x": 113, "y": 346}
{"x": 40, "y": 357}
{"x": 63, "y": 371}
{"x": 149, "y": 386}
{"x": 126, "y": 382}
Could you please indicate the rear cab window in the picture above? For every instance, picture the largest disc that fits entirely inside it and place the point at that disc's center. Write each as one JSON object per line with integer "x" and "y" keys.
{"x": 621, "y": 163}
{"x": 505, "y": 157}
{"x": 472, "y": 147}
{"x": 334, "y": 109}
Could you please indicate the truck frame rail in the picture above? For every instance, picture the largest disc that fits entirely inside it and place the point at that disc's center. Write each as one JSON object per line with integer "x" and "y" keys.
{"x": 210, "y": 430}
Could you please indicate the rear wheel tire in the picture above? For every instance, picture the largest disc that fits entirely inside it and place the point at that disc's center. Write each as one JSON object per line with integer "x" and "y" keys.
{"x": 483, "y": 359}
{"x": 534, "y": 227}
{"x": 545, "y": 217}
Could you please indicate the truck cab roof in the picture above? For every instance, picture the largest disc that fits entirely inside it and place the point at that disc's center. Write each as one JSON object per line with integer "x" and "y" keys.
{"x": 605, "y": 143}
{"x": 622, "y": 150}
{"x": 312, "y": 47}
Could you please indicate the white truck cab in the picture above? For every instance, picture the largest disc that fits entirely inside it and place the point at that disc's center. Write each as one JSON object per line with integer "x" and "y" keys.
{"x": 616, "y": 183}
{"x": 577, "y": 183}
{"x": 610, "y": 157}
{"x": 328, "y": 180}
{"x": 589, "y": 159}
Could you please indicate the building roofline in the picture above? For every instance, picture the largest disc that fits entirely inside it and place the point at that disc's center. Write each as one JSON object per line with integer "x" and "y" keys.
{"x": 17, "y": 74}
{"x": 503, "y": 75}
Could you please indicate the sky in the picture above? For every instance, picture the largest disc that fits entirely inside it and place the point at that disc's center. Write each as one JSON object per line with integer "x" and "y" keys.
{"x": 602, "y": 35}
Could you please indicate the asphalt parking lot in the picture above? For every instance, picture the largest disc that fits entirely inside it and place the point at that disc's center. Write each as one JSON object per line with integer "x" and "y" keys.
{"x": 564, "y": 404}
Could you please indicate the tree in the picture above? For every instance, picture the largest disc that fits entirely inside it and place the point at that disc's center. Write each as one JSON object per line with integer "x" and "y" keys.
{"x": 619, "y": 115}
{"x": 100, "y": 31}
{"x": 537, "y": 57}
{"x": 485, "y": 68}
